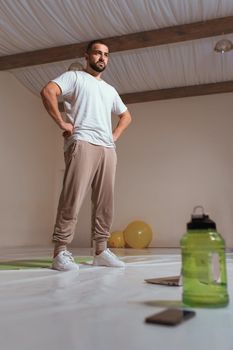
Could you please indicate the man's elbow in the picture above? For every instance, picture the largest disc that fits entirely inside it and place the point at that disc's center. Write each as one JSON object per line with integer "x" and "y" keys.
{"x": 45, "y": 92}
{"x": 49, "y": 91}
{"x": 128, "y": 117}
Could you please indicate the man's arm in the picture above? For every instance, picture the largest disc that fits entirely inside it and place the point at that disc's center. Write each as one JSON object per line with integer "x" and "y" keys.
{"x": 125, "y": 120}
{"x": 49, "y": 96}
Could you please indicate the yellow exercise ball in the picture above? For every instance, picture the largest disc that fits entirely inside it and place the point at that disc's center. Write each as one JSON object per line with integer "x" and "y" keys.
{"x": 138, "y": 234}
{"x": 116, "y": 240}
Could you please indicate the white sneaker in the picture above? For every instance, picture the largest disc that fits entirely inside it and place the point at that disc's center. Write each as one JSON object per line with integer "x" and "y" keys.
{"x": 64, "y": 262}
{"x": 107, "y": 258}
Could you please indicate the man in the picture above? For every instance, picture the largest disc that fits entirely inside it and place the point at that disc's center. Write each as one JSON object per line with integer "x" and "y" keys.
{"x": 89, "y": 150}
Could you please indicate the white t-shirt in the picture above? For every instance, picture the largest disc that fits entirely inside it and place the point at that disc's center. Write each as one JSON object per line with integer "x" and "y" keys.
{"x": 89, "y": 103}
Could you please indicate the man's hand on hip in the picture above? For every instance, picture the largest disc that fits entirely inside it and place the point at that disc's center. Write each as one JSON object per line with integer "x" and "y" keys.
{"x": 68, "y": 129}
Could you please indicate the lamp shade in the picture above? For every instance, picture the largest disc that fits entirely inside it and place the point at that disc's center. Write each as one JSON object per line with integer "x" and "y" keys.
{"x": 223, "y": 45}
{"x": 75, "y": 66}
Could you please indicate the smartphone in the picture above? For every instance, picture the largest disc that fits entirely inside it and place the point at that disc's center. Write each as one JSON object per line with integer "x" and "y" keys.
{"x": 170, "y": 317}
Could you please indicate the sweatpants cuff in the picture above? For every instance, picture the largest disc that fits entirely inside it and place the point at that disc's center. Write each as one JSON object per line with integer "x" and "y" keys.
{"x": 100, "y": 246}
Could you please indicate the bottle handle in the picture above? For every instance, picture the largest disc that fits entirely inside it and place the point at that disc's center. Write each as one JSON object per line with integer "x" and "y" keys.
{"x": 196, "y": 208}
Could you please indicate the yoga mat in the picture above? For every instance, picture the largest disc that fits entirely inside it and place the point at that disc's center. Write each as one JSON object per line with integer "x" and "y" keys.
{"x": 41, "y": 263}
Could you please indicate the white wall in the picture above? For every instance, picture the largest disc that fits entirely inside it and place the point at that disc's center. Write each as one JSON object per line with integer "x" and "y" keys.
{"x": 176, "y": 154}
{"x": 27, "y": 153}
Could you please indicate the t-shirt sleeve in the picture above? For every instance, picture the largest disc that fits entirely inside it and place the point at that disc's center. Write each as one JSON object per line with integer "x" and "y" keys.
{"x": 118, "y": 105}
{"x": 66, "y": 82}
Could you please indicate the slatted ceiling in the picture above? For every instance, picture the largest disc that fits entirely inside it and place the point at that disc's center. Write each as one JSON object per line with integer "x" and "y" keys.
{"x": 158, "y": 45}
{"x": 175, "y": 34}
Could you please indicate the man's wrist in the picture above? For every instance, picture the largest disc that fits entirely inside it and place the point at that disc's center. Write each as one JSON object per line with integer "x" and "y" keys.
{"x": 116, "y": 133}
{"x": 61, "y": 124}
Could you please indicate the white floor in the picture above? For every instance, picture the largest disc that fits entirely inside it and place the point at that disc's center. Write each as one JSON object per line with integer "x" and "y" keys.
{"x": 104, "y": 308}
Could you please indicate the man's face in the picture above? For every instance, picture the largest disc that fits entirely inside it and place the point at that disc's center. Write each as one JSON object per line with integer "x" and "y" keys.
{"x": 97, "y": 58}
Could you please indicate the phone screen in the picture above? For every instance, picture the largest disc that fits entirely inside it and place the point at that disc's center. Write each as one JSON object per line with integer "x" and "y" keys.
{"x": 170, "y": 317}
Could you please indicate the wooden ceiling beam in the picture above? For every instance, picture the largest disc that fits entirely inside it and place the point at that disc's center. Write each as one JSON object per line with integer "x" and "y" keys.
{"x": 169, "y": 35}
{"x": 178, "y": 92}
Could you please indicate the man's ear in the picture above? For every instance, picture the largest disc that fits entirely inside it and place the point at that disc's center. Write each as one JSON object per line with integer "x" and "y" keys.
{"x": 86, "y": 56}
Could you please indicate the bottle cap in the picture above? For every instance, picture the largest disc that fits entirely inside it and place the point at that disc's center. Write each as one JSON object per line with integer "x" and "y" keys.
{"x": 200, "y": 221}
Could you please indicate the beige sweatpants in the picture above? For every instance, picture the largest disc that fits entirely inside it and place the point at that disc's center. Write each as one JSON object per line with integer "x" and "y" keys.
{"x": 87, "y": 166}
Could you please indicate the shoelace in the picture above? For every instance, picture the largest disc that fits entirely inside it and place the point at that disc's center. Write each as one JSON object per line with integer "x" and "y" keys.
{"x": 68, "y": 255}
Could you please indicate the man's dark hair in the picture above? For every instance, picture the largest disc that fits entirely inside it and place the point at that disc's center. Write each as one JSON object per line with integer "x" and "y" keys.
{"x": 93, "y": 42}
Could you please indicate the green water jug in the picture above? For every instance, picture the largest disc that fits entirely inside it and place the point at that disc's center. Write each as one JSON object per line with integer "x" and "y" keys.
{"x": 203, "y": 263}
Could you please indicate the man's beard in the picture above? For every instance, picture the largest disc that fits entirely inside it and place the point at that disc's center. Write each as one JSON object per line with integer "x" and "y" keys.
{"x": 96, "y": 67}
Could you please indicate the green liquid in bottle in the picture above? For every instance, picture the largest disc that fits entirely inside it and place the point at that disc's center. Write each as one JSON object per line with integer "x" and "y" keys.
{"x": 203, "y": 266}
